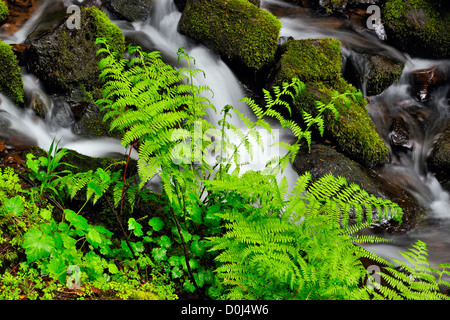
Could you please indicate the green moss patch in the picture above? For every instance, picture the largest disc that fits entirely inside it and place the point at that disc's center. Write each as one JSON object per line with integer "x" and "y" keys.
{"x": 317, "y": 62}
{"x": 418, "y": 27}
{"x": 4, "y": 12}
{"x": 11, "y": 83}
{"x": 237, "y": 29}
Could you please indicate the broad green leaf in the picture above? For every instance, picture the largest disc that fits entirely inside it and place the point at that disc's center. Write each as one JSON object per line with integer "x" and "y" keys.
{"x": 135, "y": 226}
{"x": 156, "y": 223}
{"x": 13, "y": 206}
{"x": 164, "y": 241}
{"x": 37, "y": 245}
{"x": 159, "y": 254}
{"x": 94, "y": 237}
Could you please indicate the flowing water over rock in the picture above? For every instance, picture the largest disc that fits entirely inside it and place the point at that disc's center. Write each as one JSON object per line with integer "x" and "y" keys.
{"x": 409, "y": 115}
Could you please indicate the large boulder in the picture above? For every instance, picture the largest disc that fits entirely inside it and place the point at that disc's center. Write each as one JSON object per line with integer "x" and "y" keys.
{"x": 65, "y": 59}
{"x": 371, "y": 71}
{"x": 243, "y": 34}
{"x": 317, "y": 62}
{"x": 420, "y": 27}
{"x": 11, "y": 83}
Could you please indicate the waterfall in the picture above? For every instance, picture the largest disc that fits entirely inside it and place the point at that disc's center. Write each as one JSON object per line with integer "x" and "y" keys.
{"x": 160, "y": 33}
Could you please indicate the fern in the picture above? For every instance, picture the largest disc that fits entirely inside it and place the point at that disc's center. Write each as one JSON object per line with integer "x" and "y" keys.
{"x": 267, "y": 244}
{"x": 415, "y": 279}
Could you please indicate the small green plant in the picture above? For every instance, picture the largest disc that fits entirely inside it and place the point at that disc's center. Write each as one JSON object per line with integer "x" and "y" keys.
{"x": 49, "y": 176}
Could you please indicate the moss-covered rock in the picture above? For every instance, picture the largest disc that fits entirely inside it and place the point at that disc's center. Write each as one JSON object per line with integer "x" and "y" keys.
{"x": 11, "y": 83}
{"x": 420, "y": 27}
{"x": 318, "y": 63}
{"x": 4, "y": 12}
{"x": 66, "y": 59}
{"x": 238, "y": 30}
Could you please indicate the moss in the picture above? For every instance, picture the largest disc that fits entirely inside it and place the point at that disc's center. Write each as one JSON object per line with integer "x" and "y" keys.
{"x": 318, "y": 64}
{"x": 11, "y": 83}
{"x": 353, "y": 130}
{"x": 310, "y": 60}
{"x": 237, "y": 29}
{"x": 4, "y": 12}
{"x": 417, "y": 26}
{"x": 105, "y": 28}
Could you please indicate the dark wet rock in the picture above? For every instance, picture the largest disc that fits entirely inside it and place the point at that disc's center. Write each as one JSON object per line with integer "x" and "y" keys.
{"x": 131, "y": 10}
{"x": 371, "y": 71}
{"x": 400, "y": 134}
{"x": 439, "y": 159}
{"x": 180, "y": 4}
{"x": 91, "y": 124}
{"x": 425, "y": 81}
{"x": 62, "y": 115}
{"x": 65, "y": 59}
{"x": 331, "y": 6}
{"x": 324, "y": 159}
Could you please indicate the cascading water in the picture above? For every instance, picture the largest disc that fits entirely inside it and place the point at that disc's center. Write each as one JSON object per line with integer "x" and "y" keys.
{"x": 408, "y": 167}
{"x": 160, "y": 33}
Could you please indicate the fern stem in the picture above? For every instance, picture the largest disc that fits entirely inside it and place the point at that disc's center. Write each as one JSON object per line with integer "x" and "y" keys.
{"x": 121, "y": 225}
{"x": 186, "y": 255}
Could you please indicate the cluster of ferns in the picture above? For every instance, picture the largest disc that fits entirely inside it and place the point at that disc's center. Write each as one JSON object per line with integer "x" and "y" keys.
{"x": 272, "y": 243}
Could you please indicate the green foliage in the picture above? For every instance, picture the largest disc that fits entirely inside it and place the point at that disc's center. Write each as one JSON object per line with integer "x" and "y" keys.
{"x": 11, "y": 84}
{"x": 108, "y": 30}
{"x": 414, "y": 278}
{"x": 49, "y": 176}
{"x": 4, "y": 12}
{"x": 223, "y": 233}
{"x": 17, "y": 214}
{"x": 301, "y": 246}
{"x": 278, "y": 249}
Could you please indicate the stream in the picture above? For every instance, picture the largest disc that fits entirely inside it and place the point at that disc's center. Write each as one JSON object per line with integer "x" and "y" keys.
{"x": 159, "y": 32}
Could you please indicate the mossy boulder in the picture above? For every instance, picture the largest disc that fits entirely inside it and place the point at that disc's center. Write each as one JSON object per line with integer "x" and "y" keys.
{"x": 420, "y": 27}
{"x": 65, "y": 59}
{"x": 4, "y": 12}
{"x": 11, "y": 84}
{"x": 317, "y": 62}
{"x": 242, "y": 33}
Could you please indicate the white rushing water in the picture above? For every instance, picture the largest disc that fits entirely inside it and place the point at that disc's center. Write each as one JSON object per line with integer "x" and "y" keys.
{"x": 160, "y": 33}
